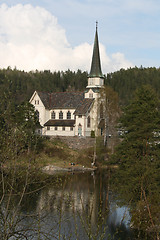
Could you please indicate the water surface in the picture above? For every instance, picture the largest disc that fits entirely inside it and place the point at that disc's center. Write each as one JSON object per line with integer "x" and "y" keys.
{"x": 76, "y": 206}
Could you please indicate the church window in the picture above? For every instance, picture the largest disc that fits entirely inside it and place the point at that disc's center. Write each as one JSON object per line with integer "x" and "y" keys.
{"x": 101, "y": 111}
{"x": 48, "y": 128}
{"x": 91, "y": 81}
{"x": 71, "y": 128}
{"x": 37, "y": 113}
{"x": 68, "y": 115}
{"x": 53, "y": 115}
{"x": 63, "y": 128}
{"x": 60, "y": 115}
{"x": 88, "y": 122}
{"x": 90, "y": 95}
{"x": 56, "y": 128}
{"x": 36, "y": 102}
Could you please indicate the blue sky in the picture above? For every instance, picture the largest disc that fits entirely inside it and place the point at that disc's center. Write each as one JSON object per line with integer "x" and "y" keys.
{"x": 58, "y": 34}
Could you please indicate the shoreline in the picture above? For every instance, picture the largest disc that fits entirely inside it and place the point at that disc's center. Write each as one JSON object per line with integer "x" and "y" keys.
{"x": 51, "y": 169}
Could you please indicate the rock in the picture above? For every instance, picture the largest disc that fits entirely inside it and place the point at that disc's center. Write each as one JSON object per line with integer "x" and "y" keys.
{"x": 51, "y": 169}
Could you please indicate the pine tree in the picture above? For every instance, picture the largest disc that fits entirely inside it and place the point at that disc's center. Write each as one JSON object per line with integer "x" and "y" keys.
{"x": 141, "y": 124}
{"x": 137, "y": 179}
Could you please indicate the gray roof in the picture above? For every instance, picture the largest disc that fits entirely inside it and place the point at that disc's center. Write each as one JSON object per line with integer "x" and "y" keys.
{"x": 95, "y": 90}
{"x": 84, "y": 106}
{"x": 96, "y": 63}
{"x": 61, "y": 100}
{"x": 66, "y": 100}
{"x": 60, "y": 123}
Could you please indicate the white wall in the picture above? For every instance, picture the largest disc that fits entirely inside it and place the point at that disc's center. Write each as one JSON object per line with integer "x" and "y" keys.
{"x": 37, "y": 103}
{"x": 95, "y": 82}
{"x": 45, "y": 115}
{"x": 80, "y": 120}
{"x": 57, "y": 111}
{"x": 91, "y": 92}
{"x": 59, "y": 131}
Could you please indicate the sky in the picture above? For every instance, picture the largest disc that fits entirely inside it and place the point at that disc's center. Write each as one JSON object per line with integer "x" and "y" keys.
{"x": 59, "y": 34}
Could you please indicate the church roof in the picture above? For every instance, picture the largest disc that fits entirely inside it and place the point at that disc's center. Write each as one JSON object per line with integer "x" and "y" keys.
{"x": 96, "y": 63}
{"x": 60, "y": 123}
{"x": 66, "y": 100}
{"x": 84, "y": 106}
{"x": 61, "y": 100}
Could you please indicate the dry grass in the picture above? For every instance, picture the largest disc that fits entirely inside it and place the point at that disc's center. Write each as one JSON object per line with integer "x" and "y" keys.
{"x": 57, "y": 153}
{"x": 54, "y": 152}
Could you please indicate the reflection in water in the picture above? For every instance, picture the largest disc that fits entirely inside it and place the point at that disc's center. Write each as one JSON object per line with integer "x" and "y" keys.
{"x": 79, "y": 206}
{"x": 72, "y": 206}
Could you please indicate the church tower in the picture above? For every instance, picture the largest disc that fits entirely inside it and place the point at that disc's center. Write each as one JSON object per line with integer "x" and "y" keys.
{"x": 95, "y": 78}
{"x": 93, "y": 90}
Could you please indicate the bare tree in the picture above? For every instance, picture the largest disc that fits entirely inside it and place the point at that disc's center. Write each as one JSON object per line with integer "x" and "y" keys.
{"x": 111, "y": 112}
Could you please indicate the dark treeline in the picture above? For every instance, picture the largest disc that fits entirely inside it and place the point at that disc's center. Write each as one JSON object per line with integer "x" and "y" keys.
{"x": 125, "y": 82}
{"x": 22, "y": 84}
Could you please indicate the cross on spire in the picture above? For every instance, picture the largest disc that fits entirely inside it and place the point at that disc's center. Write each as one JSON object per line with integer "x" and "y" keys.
{"x": 96, "y": 25}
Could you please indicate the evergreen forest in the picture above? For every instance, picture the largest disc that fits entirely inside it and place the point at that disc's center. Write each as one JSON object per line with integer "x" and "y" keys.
{"x": 22, "y": 84}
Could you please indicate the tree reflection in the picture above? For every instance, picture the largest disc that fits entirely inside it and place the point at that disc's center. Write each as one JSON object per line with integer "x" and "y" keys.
{"x": 70, "y": 206}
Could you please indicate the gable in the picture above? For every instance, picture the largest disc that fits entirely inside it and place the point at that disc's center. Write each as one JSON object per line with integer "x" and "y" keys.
{"x": 84, "y": 106}
{"x": 36, "y": 100}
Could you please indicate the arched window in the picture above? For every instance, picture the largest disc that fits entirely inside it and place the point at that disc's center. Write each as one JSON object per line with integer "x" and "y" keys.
{"x": 60, "y": 115}
{"x": 53, "y": 115}
{"x": 37, "y": 113}
{"x": 88, "y": 122}
{"x": 68, "y": 115}
{"x": 101, "y": 111}
{"x": 90, "y": 95}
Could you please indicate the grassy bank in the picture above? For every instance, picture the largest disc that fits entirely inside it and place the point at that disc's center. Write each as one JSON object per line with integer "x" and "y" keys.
{"x": 60, "y": 152}
{"x": 53, "y": 152}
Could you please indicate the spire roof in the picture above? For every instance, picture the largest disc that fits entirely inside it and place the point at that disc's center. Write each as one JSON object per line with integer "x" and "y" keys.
{"x": 96, "y": 63}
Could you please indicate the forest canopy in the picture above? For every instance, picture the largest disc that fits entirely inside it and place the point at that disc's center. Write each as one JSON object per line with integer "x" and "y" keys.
{"x": 124, "y": 82}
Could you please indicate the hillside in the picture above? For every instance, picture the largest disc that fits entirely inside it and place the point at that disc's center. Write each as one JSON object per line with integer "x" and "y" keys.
{"x": 125, "y": 82}
{"x": 21, "y": 85}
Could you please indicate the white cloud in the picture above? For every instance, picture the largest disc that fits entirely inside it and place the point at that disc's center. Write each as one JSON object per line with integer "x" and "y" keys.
{"x": 31, "y": 38}
{"x": 119, "y": 61}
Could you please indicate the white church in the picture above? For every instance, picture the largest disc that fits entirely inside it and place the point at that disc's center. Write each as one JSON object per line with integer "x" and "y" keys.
{"x": 73, "y": 113}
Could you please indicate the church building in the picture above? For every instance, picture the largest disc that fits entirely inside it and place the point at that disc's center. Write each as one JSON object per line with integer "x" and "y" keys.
{"x": 73, "y": 113}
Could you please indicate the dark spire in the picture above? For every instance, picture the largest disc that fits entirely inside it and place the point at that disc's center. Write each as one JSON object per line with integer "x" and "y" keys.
{"x": 96, "y": 63}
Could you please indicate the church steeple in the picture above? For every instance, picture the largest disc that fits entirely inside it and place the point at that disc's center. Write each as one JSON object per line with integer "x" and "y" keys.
{"x": 95, "y": 77}
{"x": 96, "y": 63}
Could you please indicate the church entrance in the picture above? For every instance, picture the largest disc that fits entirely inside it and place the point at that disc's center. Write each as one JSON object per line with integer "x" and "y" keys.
{"x": 79, "y": 130}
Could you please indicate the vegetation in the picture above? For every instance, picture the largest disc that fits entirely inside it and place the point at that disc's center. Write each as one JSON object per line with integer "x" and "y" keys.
{"x": 125, "y": 82}
{"x": 109, "y": 114}
{"x": 22, "y": 84}
{"x": 57, "y": 152}
{"x": 138, "y": 176}
{"x": 139, "y": 164}
{"x": 17, "y": 128}
{"x": 141, "y": 124}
